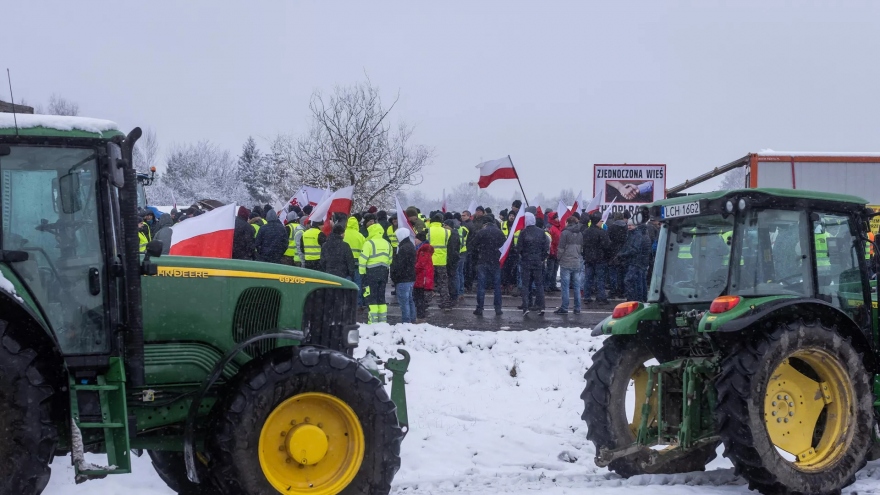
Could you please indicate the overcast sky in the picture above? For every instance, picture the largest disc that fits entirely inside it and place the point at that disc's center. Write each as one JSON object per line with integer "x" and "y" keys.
{"x": 558, "y": 85}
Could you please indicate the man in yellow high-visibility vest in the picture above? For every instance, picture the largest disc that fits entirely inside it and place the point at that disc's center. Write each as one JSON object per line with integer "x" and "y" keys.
{"x": 438, "y": 238}
{"x": 355, "y": 241}
{"x": 374, "y": 263}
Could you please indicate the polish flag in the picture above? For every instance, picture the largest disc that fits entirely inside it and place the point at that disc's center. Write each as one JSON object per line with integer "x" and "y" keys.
{"x": 607, "y": 212}
{"x": 519, "y": 223}
{"x": 493, "y": 170}
{"x": 403, "y": 220}
{"x": 472, "y": 207}
{"x": 575, "y": 207}
{"x": 443, "y": 205}
{"x": 596, "y": 202}
{"x": 338, "y": 202}
{"x": 208, "y": 235}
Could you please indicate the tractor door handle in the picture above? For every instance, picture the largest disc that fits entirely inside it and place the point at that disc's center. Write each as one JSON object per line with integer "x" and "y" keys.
{"x": 94, "y": 281}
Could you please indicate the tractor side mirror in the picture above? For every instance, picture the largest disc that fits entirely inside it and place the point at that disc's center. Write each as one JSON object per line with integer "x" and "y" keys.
{"x": 115, "y": 164}
{"x": 69, "y": 187}
{"x": 154, "y": 248}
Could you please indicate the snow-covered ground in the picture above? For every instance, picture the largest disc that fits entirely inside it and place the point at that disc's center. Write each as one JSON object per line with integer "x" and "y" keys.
{"x": 478, "y": 426}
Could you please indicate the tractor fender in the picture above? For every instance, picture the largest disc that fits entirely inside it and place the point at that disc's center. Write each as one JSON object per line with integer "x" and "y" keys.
{"x": 788, "y": 310}
{"x": 30, "y": 330}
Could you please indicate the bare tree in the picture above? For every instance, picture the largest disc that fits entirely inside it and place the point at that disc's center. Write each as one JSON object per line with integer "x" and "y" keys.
{"x": 204, "y": 171}
{"x": 352, "y": 142}
{"x": 59, "y": 105}
{"x": 146, "y": 151}
{"x": 734, "y": 179}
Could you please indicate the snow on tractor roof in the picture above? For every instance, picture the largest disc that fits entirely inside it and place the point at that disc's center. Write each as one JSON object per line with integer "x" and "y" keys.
{"x": 29, "y": 124}
{"x": 769, "y": 152}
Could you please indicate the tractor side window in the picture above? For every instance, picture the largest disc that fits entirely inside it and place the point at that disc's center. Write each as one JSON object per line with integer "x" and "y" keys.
{"x": 837, "y": 263}
{"x": 49, "y": 211}
{"x": 769, "y": 258}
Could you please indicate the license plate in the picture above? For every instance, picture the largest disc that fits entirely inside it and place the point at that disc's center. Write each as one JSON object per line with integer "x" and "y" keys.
{"x": 682, "y": 210}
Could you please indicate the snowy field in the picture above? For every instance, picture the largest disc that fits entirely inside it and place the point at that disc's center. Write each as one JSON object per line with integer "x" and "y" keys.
{"x": 478, "y": 427}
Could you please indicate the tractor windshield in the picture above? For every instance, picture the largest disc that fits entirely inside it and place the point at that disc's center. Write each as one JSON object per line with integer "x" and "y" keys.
{"x": 49, "y": 211}
{"x": 693, "y": 264}
{"x": 771, "y": 254}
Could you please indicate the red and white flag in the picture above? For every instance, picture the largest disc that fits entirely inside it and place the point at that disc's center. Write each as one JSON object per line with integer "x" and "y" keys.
{"x": 307, "y": 195}
{"x": 578, "y": 203}
{"x": 443, "y": 204}
{"x": 493, "y": 170}
{"x": 519, "y": 223}
{"x": 338, "y": 202}
{"x": 472, "y": 207}
{"x": 208, "y": 235}
{"x": 403, "y": 220}
{"x": 596, "y": 202}
{"x": 607, "y": 212}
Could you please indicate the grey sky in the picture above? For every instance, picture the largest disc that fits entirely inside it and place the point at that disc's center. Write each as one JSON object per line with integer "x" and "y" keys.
{"x": 557, "y": 85}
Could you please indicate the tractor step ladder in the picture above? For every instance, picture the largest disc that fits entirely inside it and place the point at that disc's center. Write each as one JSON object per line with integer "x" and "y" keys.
{"x": 114, "y": 421}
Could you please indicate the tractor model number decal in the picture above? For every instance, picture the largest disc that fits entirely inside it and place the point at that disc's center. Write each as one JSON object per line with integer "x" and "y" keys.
{"x": 167, "y": 271}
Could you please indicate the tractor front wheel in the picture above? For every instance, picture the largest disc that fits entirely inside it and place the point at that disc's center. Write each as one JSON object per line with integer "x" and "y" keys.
{"x": 171, "y": 467}
{"x": 27, "y": 435}
{"x": 305, "y": 421}
{"x": 617, "y": 366}
{"x": 795, "y": 410}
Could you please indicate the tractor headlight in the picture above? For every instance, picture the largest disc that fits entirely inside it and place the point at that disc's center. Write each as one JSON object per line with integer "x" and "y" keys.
{"x": 729, "y": 206}
{"x": 353, "y": 337}
{"x": 742, "y": 204}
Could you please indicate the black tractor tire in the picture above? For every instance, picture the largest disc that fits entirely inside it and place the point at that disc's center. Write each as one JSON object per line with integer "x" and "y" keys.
{"x": 739, "y": 414}
{"x": 28, "y": 437}
{"x": 264, "y": 383}
{"x": 171, "y": 467}
{"x": 605, "y": 410}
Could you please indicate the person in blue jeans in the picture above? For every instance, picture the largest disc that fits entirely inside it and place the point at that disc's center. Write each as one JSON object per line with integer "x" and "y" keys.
{"x": 486, "y": 255}
{"x": 571, "y": 261}
{"x": 403, "y": 274}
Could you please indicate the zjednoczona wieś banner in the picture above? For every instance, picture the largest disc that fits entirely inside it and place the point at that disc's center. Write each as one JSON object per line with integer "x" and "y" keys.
{"x": 626, "y": 187}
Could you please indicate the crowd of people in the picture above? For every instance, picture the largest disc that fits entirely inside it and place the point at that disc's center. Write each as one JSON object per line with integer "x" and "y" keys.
{"x": 446, "y": 255}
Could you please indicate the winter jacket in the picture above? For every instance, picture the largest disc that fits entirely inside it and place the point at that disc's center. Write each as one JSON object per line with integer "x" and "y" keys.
{"x": 617, "y": 234}
{"x": 403, "y": 265}
{"x": 163, "y": 232}
{"x": 413, "y": 216}
{"x": 242, "y": 240}
{"x": 425, "y": 267}
{"x": 453, "y": 248}
{"x": 637, "y": 250}
{"x": 271, "y": 241}
{"x": 353, "y": 237}
{"x": 486, "y": 244}
{"x": 336, "y": 258}
{"x": 555, "y": 232}
{"x": 596, "y": 245}
{"x": 376, "y": 252}
{"x": 571, "y": 248}
{"x": 533, "y": 246}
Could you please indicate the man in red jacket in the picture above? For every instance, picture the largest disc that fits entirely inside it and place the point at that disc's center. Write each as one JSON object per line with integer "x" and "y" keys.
{"x": 424, "y": 287}
{"x": 552, "y": 260}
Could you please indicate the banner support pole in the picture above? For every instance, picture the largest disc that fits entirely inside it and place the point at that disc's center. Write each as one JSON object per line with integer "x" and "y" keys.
{"x": 518, "y": 181}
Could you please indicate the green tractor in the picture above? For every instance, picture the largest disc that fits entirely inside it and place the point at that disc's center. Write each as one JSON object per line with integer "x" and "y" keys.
{"x": 760, "y": 332}
{"x": 233, "y": 376}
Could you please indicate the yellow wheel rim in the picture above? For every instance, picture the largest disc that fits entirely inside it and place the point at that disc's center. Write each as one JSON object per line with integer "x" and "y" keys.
{"x": 809, "y": 408}
{"x": 311, "y": 443}
{"x": 640, "y": 384}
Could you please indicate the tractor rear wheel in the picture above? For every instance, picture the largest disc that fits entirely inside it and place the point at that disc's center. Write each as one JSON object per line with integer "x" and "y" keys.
{"x": 171, "y": 467}
{"x": 618, "y": 364}
{"x": 795, "y": 410}
{"x": 305, "y": 421}
{"x": 28, "y": 436}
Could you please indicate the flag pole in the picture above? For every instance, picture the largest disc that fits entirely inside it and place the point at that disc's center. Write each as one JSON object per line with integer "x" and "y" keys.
{"x": 518, "y": 181}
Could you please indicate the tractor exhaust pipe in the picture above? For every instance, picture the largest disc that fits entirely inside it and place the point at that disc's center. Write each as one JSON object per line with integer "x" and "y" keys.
{"x": 134, "y": 337}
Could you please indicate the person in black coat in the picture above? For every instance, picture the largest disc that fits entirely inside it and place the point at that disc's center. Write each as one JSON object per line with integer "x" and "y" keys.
{"x": 484, "y": 249}
{"x": 403, "y": 274}
{"x": 271, "y": 241}
{"x": 336, "y": 256}
{"x": 596, "y": 248}
{"x": 453, "y": 257}
{"x": 243, "y": 236}
{"x": 533, "y": 248}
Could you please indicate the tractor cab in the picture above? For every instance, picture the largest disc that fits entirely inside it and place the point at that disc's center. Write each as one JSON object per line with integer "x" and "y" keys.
{"x": 758, "y": 244}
